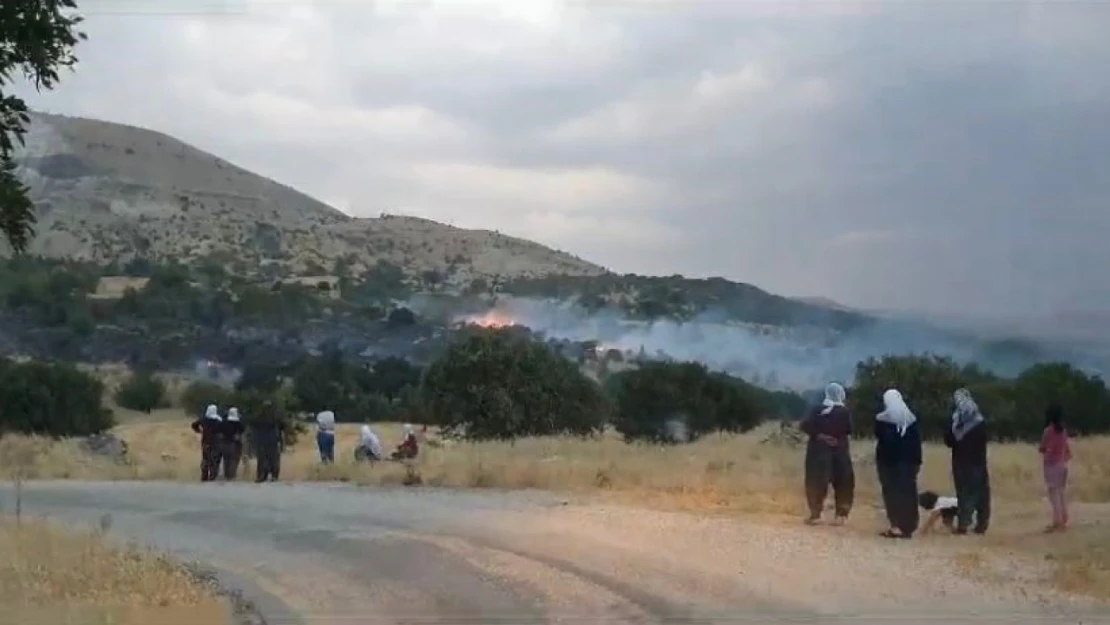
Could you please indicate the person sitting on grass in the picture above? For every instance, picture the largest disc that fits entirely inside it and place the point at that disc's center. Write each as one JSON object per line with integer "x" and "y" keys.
{"x": 943, "y": 509}
{"x": 408, "y": 448}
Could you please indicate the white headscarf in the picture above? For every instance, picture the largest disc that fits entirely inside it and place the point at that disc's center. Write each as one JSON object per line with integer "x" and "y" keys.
{"x": 212, "y": 412}
{"x": 896, "y": 412}
{"x": 232, "y": 414}
{"x": 967, "y": 415}
{"x": 326, "y": 421}
{"x": 407, "y": 429}
{"x": 370, "y": 441}
{"x": 834, "y": 396}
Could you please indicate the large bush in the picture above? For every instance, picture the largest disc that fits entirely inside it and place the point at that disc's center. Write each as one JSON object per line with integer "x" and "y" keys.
{"x": 51, "y": 399}
{"x": 496, "y": 384}
{"x": 143, "y": 391}
{"x": 1084, "y": 398}
{"x": 677, "y": 402}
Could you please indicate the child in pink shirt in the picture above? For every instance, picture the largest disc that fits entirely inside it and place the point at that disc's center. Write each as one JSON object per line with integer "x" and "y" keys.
{"x": 1056, "y": 452}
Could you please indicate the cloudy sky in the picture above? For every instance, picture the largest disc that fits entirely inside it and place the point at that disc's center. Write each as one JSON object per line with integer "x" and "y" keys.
{"x": 948, "y": 156}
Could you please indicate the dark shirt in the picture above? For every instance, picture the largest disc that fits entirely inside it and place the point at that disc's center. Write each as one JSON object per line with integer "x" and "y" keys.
{"x": 209, "y": 430}
{"x": 971, "y": 450}
{"x": 892, "y": 449}
{"x": 836, "y": 425}
{"x": 266, "y": 435}
{"x": 233, "y": 431}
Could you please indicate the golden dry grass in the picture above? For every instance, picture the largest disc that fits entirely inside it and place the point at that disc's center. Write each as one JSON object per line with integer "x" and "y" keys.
{"x": 718, "y": 474}
{"x": 49, "y": 575}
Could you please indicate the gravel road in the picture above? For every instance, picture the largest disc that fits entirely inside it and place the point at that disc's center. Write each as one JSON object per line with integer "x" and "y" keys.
{"x": 323, "y": 554}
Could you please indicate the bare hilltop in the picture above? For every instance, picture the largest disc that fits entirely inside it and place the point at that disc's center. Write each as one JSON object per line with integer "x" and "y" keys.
{"x": 110, "y": 192}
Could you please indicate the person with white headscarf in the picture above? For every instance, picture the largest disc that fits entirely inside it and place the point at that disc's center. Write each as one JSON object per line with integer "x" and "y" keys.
{"x": 828, "y": 457}
{"x": 967, "y": 438}
{"x": 210, "y": 428}
{"x": 369, "y": 446}
{"x": 409, "y": 446}
{"x": 232, "y": 443}
{"x": 325, "y": 436}
{"x": 898, "y": 461}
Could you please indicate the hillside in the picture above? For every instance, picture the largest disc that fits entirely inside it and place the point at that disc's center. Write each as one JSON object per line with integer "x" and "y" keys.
{"x": 109, "y": 192}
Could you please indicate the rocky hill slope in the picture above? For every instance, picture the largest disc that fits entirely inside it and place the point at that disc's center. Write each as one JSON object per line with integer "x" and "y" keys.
{"x": 110, "y": 192}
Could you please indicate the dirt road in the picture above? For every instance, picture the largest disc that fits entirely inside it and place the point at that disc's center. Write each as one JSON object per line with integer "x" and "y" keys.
{"x": 316, "y": 554}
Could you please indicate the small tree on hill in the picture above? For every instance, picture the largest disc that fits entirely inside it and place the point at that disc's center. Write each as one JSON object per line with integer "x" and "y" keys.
{"x": 143, "y": 391}
{"x": 497, "y": 384}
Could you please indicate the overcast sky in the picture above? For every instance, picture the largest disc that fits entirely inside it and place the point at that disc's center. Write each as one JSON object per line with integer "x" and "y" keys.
{"x": 938, "y": 156}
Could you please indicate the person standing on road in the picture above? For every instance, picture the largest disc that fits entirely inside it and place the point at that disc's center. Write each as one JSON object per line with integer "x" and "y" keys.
{"x": 967, "y": 438}
{"x": 209, "y": 427}
{"x": 1056, "y": 454}
{"x": 325, "y": 436}
{"x": 232, "y": 443}
{"x": 268, "y": 441}
{"x": 898, "y": 461}
{"x": 828, "y": 457}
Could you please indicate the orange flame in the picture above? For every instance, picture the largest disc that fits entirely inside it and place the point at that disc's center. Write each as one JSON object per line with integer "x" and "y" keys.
{"x": 492, "y": 319}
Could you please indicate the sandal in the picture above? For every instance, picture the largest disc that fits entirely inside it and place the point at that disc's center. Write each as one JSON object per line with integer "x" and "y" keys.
{"x": 890, "y": 534}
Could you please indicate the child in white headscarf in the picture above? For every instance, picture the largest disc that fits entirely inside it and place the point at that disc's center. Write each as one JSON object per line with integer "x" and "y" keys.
{"x": 898, "y": 461}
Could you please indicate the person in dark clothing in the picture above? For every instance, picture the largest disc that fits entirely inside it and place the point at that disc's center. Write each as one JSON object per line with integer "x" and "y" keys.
{"x": 828, "y": 457}
{"x": 268, "y": 442}
{"x": 232, "y": 444}
{"x": 210, "y": 429}
{"x": 967, "y": 438}
{"x": 898, "y": 461}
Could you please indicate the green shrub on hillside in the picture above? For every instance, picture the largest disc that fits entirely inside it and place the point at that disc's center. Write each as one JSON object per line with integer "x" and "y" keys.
{"x": 51, "y": 399}
{"x": 143, "y": 391}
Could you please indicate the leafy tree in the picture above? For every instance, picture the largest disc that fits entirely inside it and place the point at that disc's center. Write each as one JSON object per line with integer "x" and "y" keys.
{"x": 37, "y": 38}
{"x": 391, "y": 376}
{"x": 1084, "y": 398}
{"x": 497, "y": 384}
{"x": 143, "y": 391}
{"x": 257, "y": 406}
{"x": 198, "y": 395}
{"x": 650, "y": 400}
{"x": 51, "y": 399}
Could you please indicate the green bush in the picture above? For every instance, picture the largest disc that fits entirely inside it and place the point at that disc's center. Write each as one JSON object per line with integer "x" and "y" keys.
{"x": 143, "y": 391}
{"x": 657, "y": 399}
{"x": 198, "y": 395}
{"x": 51, "y": 399}
{"x": 1014, "y": 407}
{"x": 495, "y": 384}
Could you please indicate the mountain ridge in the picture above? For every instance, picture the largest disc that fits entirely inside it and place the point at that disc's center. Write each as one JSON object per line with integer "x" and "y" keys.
{"x": 109, "y": 192}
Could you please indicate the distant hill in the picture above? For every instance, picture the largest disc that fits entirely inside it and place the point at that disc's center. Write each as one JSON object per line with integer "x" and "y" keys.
{"x": 110, "y": 192}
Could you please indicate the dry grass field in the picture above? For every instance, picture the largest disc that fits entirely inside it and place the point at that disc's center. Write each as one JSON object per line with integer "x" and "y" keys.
{"x": 51, "y": 576}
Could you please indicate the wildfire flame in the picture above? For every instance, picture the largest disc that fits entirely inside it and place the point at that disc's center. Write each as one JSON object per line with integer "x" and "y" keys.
{"x": 491, "y": 319}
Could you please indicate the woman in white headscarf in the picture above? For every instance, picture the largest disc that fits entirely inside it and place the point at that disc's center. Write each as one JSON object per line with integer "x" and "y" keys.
{"x": 409, "y": 447}
{"x": 967, "y": 438}
{"x": 828, "y": 458}
{"x": 232, "y": 444}
{"x": 898, "y": 461}
{"x": 370, "y": 446}
{"x": 210, "y": 428}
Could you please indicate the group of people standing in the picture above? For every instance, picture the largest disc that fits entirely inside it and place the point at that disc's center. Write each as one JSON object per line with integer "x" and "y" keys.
{"x": 222, "y": 441}
{"x": 898, "y": 459}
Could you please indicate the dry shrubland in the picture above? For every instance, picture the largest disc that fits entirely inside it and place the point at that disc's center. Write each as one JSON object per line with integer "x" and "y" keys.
{"x": 50, "y": 575}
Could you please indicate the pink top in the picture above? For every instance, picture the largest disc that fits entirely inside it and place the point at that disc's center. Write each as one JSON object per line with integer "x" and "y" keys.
{"x": 1055, "y": 447}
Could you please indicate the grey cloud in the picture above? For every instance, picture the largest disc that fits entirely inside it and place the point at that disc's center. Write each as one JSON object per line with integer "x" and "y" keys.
{"x": 902, "y": 155}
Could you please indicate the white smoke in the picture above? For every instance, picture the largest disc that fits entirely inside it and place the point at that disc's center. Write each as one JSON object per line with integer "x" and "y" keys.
{"x": 799, "y": 358}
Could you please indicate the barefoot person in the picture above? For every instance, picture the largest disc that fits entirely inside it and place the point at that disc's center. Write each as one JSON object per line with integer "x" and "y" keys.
{"x": 828, "y": 457}
{"x": 967, "y": 438}
{"x": 898, "y": 461}
{"x": 1056, "y": 453}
